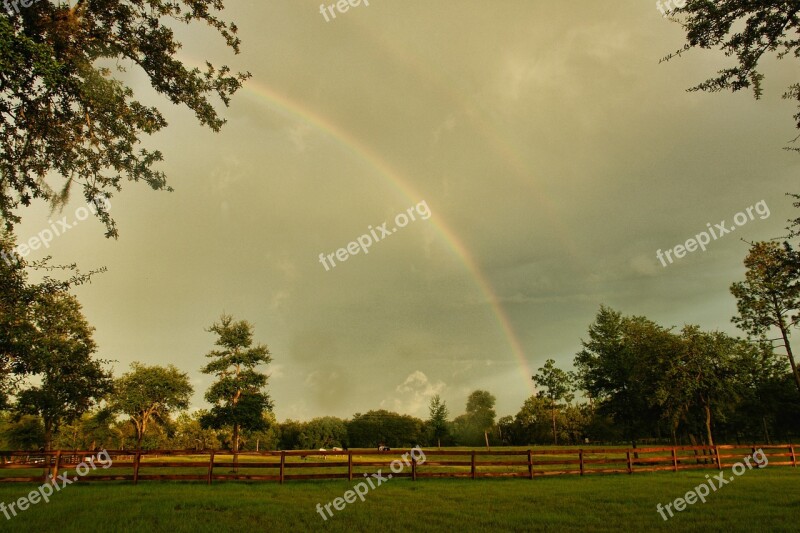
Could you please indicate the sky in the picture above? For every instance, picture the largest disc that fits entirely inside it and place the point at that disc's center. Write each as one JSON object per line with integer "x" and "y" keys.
{"x": 545, "y": 154}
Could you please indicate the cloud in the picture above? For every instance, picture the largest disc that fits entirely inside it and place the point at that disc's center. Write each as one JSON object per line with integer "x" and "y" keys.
{"x": 413, "y": 394}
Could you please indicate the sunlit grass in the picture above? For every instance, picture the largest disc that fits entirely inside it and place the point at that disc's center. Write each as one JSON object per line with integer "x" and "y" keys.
{"x": 764, "y": 500}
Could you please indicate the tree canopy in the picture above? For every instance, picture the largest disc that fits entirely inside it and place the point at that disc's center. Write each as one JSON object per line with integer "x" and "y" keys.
{"x": 69, "y": 380}
{"x": 151, "y": 393}
{"x": 238, "y": 396}
{"x": 747, "y": 30}
{"x": 769, "y": 297}
{"x": 66, "y": 121}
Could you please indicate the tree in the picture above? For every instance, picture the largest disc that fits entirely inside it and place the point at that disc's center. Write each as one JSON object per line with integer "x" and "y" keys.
{"x": 531, "y": 423}
{"x": 63, "y": 114}
{"x": 93, "y": 430}
{"x": 619, "y": 368}
{"x": 189, "y": 434}
{"x": 238, "y": 396}
{"x": 702, "y": 377}
{"x": 70, "y": 381}
{"x": 269, "y": 439}
{"x": 151, "y": 393}
{"x": 769, "y": 297}
{"x": 480, "y": 414}
{"x": 746, "y": 29}
{"x": 325, "y": 432}
{"x": 438, "y": 418}
{"x": 22, "y": 433}
{"x": 558, "y": 386}
{"x": 290, "y": 434}
{"x": 373, "y": 428}
{"x": 18, "y": 305}
{"x": 506, "y": 428}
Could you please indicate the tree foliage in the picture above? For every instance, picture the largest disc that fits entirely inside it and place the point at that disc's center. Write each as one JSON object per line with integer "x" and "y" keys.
{"x": 373, "y": 428}
{"x": 558, "y": 386}
{"x": 437, "y": 421}
{"x": 238, "y": 396}
{"x": 68, "y": 380}
{"x": 150, "y": 394}
{"x": 19, "y": 303}
{"x": 769, "y": 297}
{"x": 747, "y": 30}
{"x": 619, "y": 365}
{"x": 472, "y": 427}
{"x": 64, "y": 114}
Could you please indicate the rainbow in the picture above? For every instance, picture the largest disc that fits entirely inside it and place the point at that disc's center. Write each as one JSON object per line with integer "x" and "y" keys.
{"x": 284, "y": 104}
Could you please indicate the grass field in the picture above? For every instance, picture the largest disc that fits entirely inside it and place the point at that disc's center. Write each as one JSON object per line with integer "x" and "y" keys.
{"x": 759, "y": 500}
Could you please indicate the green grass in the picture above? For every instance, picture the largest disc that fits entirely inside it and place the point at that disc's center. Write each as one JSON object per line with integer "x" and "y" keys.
{"x": 759, "y": 500}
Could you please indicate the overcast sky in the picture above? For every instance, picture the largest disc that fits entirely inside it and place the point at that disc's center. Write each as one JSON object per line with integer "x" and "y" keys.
{"x": 555, "y": 156}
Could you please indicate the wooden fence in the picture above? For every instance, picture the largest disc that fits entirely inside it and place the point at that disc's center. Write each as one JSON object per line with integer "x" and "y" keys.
{"x": 280, "y": 466}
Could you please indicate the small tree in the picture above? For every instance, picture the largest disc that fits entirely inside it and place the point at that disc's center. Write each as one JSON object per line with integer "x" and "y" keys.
{"x": 438, "y": 418}
{"x": 238, "y": 396}
{"x": 558, "y": 386}
{"x": 151, "y": 393}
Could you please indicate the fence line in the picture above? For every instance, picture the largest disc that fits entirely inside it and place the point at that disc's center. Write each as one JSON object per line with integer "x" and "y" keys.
{"x": 278, "y": 466}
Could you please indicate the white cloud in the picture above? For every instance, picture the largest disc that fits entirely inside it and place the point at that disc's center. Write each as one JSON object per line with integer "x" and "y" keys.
{"x": 414, "y": 394}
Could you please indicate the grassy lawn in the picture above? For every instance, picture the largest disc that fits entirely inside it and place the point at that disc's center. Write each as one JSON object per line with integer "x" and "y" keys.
{"x": 763, "y": 500}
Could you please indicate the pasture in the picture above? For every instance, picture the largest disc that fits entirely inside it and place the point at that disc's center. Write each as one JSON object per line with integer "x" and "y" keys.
{"x": 760, "y": 499}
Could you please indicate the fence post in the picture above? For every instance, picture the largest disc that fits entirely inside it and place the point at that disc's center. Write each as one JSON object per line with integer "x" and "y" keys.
{"x": 413, "y": 468}
{"x": 350, "y": 465}
{"x": 283, "y": 464}
{"x": 794, "y": 457}
{"x": 630, "y": 464}
{"x": 674, "y": 460}
{"x": 580, "y": 459}
{"x": 473, "y": 464}
{"x": 530, "y": 464}
{"x": 136, "y": 460}
{"x": 210, "y": 467}
{"x": 716, "y": 453}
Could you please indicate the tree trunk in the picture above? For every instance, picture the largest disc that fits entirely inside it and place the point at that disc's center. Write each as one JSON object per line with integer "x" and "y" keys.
{"x": 766, "y": 432}
{"x": 439, "y": 441}
{"x": 48, "y": 435}
{"x": 708, "y": 424}
{"x": 486, "y": 436}
{"x": 789, "y": 353}
{"x": 236, "y": 447}
{"x": 555, "y": 435}
{"x": 693, "y": 441}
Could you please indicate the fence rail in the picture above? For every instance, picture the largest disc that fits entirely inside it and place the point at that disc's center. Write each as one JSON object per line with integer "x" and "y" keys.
{"x": 281, "y": 466}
